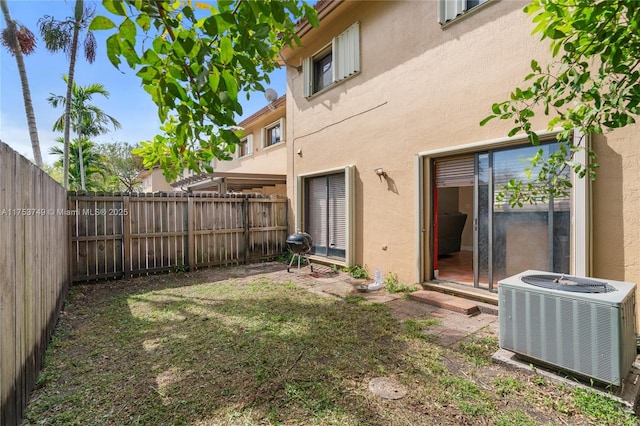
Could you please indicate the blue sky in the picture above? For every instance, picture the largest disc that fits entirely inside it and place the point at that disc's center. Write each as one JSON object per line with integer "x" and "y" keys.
{"x": 128, "y": 102}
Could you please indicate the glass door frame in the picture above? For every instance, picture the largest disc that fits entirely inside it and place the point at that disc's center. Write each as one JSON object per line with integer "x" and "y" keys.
{"x": 580, "y": 238}
{"x": 476, "y": 220}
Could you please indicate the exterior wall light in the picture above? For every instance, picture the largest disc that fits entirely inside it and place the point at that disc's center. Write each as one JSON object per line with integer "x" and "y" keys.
{"x": 381, "y": 173}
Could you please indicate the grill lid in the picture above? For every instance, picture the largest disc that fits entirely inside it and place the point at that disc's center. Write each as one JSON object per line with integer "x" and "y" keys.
{"x": 300, "y": 242}
{"x": 568, "y": 283}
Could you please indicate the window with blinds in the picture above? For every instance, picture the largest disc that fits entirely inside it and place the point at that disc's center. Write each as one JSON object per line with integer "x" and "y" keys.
{"x": 337, "y": 61}
{"x": 326, "y": 214}
{"x": 455, "y": 172}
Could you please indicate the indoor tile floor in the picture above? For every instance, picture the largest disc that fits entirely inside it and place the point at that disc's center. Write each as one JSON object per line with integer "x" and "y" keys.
{"x": 458, "y": 268}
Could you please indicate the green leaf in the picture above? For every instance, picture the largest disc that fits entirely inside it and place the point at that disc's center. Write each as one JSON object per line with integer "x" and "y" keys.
{"x": 151, "y": 58}
{"x": 127, "y": 50}
{"x": 113, "y": 50}
{"x": 128, "y": 31}
{"x": 188, "y": 12}
{"x": 311, "y": 15}
{"x": 210, "y": 26}
{"x": 101, "y": 23}
{"x": 186, "y": 43}
{"x": 148, "y": 74}
{"x": 115, "y": 6}
{"x": 214, "y": 79}
{"x": 144, "y": 21}
{"x": 487, "y": 119}
{"x": 176, "y": 90}
{"x": 226, "y": 50}
{"x": 161, "y": 46}
{"x": 535, "y": 66}
{"x": 230, "y": 84}
{"x": 278, "y": 11}
{"x": 261, "y": 31}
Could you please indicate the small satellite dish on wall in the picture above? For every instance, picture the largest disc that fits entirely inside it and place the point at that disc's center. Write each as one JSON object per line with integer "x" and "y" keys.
{"x": 271, "y": 95}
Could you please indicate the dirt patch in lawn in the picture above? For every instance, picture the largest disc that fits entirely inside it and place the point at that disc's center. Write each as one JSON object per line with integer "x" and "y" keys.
{"x": 252, "y": 346}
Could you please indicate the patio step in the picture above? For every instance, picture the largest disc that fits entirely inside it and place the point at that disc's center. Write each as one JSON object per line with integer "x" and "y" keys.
{"x": 446, "y": 301}
{"x": 482, "y": 296}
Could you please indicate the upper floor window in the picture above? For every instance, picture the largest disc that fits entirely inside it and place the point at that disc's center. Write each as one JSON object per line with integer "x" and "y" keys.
{"x": 245, "y": 147}
{"x": 334, "y": 62}
{"x": 322, "y": 71}
{"x": 450, "y": 9}
{"x": 273, "y": 134}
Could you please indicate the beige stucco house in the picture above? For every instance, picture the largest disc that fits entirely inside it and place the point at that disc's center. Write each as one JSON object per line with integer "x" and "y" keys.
{"x": 153, "y": 181}
{"x": 258, "y": 166}
{"x": 386, "y": 156}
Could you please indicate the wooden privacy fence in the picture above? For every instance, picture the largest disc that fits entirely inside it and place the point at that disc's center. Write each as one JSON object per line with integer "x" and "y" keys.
{"x": 114, "y": 236}
{"x": 34, "y": 275}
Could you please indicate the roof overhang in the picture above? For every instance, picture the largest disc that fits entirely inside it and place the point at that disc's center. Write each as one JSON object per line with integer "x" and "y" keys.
{"x": 233, "y": 181}
{"x": 324, "y": 9}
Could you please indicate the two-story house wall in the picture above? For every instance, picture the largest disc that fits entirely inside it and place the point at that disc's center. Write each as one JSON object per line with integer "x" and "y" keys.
{"x": 258, "y": 165}
{"x": 386, "y": 154}
{"x": 152, "y": 180}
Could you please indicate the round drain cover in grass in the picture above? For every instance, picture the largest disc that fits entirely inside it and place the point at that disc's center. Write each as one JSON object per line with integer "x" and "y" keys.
{"x": 387, "y": 388}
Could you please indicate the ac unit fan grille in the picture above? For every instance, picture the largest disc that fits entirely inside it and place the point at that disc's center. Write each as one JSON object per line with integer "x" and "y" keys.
{"x": 568, "y": 283}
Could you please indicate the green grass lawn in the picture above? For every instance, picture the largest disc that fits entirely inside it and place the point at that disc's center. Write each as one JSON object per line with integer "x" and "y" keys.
{"x": 195, "y": 350}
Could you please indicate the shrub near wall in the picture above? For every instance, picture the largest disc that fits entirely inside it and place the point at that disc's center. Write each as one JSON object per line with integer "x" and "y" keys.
{"x": 34, "y": 274}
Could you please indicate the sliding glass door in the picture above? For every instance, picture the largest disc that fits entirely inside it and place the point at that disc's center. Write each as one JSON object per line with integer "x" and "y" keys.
{"x": 508, "y": 240}
{"x": 535, "y": 236}
{"x": 326, "y": 214}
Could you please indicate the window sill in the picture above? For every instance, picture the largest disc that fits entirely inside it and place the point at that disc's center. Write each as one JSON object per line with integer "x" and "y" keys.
{"x": 275, "y": 145}
{"x": 467, "y": 14}
{"x": 331, "y": 86}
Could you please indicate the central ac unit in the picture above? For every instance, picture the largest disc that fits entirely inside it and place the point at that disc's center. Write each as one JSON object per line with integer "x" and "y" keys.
{"x": 580, "y": 325}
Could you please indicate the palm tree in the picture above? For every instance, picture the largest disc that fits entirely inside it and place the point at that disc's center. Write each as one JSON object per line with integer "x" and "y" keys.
{"x": 86, "y": 120}
{"x": 20, "y": 40}
{"x": 92, "y": 163}
{"x": 64, "y": 35}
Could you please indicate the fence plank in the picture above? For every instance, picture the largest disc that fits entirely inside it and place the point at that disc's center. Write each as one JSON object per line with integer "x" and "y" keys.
{"x": 126, "y": 237}
{"x": 8, "y": 263}
{"x": 34, "y": 275}
{"x": 191, "y": 247}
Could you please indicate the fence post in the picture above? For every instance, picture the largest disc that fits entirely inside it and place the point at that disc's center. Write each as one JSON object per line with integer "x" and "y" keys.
{"x": 191, "y": 246}
{"x": 247, "y": 248}
{"x": 126, "y": 236}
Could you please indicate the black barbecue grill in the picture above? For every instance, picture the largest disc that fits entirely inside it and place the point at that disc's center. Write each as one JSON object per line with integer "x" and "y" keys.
{"x": 299, "y": 244}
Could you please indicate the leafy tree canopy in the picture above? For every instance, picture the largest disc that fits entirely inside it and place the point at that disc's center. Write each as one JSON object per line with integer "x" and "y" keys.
{"x": 591, "y": 86}
{"x": 121, "y": 167}
{"x": 194, "y": 61}
{"x": 92, "y": 164}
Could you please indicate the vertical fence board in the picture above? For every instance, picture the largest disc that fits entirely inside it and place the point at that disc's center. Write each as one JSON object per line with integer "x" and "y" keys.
{"x": 34, "y": 275}
{"x": 22, "y": 283}
{"x": 7, "y": 291}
